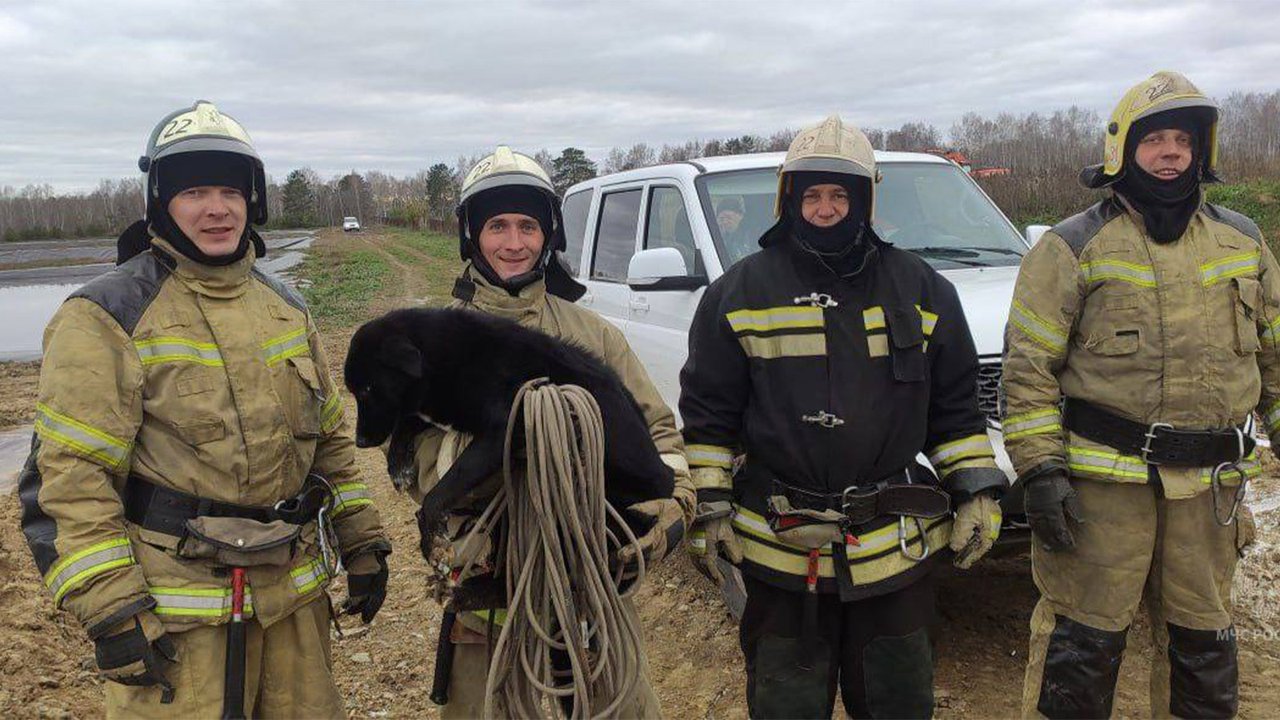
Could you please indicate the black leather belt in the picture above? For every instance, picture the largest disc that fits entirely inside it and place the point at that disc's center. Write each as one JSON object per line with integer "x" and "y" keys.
{"x": 165, "y": 510}
{"x": 1158, "y": 443}
{"x": 866, "y": 502}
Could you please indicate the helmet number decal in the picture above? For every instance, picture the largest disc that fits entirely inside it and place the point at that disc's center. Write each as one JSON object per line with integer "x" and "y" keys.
{"x": 177, "y": 126}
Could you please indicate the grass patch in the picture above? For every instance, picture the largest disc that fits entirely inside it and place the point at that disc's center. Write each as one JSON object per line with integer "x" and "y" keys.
{"x": 435, "y": 245}
{"x": 343, "y": 284}
{"x": 1258, "y": 199}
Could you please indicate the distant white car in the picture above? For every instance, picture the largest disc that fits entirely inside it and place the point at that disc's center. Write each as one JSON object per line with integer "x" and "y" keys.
{"x": 646, "y": 243}
{"x": 350, "y": 224}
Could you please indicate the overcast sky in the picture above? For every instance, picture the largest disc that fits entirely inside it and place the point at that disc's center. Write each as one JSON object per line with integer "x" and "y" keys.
{"x": 397, "y": 86}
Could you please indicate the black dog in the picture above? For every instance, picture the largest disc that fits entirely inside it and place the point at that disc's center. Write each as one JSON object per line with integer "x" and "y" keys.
{"x": 461, "y": 369}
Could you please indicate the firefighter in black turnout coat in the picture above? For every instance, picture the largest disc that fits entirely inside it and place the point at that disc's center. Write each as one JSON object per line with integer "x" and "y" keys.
{"x": 830, "y": 359}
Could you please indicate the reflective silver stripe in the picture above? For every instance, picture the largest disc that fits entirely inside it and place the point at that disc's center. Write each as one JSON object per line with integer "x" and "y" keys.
{"x": 775, "y": 318}
{"x": 1099, "y": 270}
{"x": 198, "y": 602}
{"x": 709, "y": 456}
{"x": 170, "y": 349}
{"x": 928, "y": 321}
{"x": 1037, "y": 422}
{"x": 350, "y": 495}
{"x": 1037, "y": 328}
{"x": 772, "y": 347}
{"x": 873, "y": 318}
{"x": 73, "y": 570}
{"x": 285, "y": 346}
{"x": 968, "y": 447}
{"x": 309, "y": 576}
{"x": 88, "y": 440}
{"x": 1233, "y": 266}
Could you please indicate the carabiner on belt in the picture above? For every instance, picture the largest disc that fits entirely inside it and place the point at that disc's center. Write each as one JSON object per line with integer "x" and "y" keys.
{"x": 1215, "y": 484}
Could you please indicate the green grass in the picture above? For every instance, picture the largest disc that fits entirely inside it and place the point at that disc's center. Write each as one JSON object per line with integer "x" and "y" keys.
{"x": 1258, "y": 199}
{"x": 433, "y": 244}
{"x": 343, "y": 284}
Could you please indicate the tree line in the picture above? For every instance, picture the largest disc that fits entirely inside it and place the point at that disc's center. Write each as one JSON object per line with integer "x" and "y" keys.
{"x": 1043, "y": 153}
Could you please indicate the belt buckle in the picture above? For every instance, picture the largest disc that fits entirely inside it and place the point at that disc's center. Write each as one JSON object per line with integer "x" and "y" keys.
{"x": 1150, "y": 435}
{"x": 859, "y": 504}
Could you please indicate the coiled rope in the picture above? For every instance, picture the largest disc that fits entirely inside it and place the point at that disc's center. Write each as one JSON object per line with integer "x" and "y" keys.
{"x": 554, "y": 554}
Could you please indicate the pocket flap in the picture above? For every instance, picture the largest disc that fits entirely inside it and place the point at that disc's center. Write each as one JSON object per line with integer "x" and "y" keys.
{"x": 306, "y": 370}
{"x": 1249, "y": 291}
{"x": 904, "y": 326}
{"x": 201, "y": 429}
{"x": 241, "y": 534}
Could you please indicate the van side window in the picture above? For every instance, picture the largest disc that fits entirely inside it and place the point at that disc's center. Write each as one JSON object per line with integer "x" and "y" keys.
{"x": 668, "y": 224}
{"x": 616, "y": 237}
{"x": 575, "y": 210}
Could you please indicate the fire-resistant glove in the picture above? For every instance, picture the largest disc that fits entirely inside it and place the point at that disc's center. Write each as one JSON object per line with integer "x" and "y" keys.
{"x": 137, "y": 652}
{"x": 976, "y": 528}
{"x": 366, "y": 584}
{"x": 711, "y": 535}
{"x": 1049, "y": 502}
{"x": 663, "y": 536}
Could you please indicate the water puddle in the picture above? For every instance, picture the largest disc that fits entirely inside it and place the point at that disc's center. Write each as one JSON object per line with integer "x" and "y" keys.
{"x": 26, "y": 310}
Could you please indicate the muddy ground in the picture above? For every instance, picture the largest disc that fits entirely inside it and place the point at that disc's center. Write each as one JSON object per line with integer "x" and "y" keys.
{"x": 385, "y": 672}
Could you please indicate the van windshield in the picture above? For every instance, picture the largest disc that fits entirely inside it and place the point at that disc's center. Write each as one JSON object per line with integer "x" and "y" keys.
{"x": 932, "y": 209}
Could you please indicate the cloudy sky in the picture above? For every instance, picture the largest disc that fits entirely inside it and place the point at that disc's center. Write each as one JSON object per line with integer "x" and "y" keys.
{"x": 397, "y": 86}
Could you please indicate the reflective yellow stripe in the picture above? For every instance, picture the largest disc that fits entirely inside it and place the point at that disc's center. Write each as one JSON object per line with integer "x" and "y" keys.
{"x": 1272, "y": 417}
{"x": 309, "y": 576}
{"x": 75, "y": 569}
{"x": 1105, "y": 464}
{"x": 973, "y": 446}
{"x": 1250, "y": 467}
{"x": 1133, "y": 273}
{"x": 1229, "y": 267}
{"x": 198, "y": 602}
{"x": 1036, "y": 422}
{"x": 350, "y": 496}
{"x": 1271, "y": 331}
{"x": 928, "y": 321}
{"x": 175, "y": 349}
{"x": 285, "y": 346}
{"x": 1037, "y": 328}
{"x": 778, "y": 346}
{"x": 709, "y": 456}
{"x": 499, "y": 616}
{"x": 331, "y": 413}
{"x": 776, "y": 318}
{"x": 873, "y": 318}
{"x": 878, "y": 345}
{"x": 85, "y": 439}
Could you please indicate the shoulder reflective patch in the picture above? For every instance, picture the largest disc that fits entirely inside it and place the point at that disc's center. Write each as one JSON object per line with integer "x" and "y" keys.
{"x": 309, "y": 576}
{"x": 779, "y": 346}
{"x": 174, "y": 349}
{"x": 1036, "y": 422}
{"x": 709, "y": 456}
{"x": 1099, "y": 270}
{"x": 285, "y": 346}
{"x": 198, "y": 602}
{"x": 1043, "y": 332}
{"x": 350, "y": 496}
{"x": 1245, "y": 264}
{"x": 82, "y": 438}
{"x": 75, "y": 569}
{"x": 775, "y": 318}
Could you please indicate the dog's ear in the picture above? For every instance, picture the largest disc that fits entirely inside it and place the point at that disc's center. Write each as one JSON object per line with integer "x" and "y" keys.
{"x": 397, "y": 352}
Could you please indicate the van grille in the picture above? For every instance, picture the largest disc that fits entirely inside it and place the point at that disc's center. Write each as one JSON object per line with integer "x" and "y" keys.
{"x": 990, "y": 397}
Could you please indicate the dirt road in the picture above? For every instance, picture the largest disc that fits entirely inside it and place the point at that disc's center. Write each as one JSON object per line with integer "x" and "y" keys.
{"x": 385, "y": 671}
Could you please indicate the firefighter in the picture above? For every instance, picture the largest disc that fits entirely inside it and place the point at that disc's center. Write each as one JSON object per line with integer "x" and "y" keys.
{"x": 831, "y": 359}
{"x": 511, "y": 234}
{"x": 1141, "y": 339}
{"x": 191, "y": 459}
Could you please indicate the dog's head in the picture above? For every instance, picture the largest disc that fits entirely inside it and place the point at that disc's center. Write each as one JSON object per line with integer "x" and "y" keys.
{"x": 384, "y": 373}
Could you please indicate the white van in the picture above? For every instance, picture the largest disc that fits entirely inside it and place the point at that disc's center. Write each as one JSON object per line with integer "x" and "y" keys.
{"x": 647, "y": 242}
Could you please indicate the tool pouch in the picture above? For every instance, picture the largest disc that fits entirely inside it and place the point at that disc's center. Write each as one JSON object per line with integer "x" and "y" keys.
{"x": 810, "y": 529}
{"x": 238, "y": 542}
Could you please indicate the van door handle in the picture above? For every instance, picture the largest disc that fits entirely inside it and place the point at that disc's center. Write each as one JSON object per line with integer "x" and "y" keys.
{"x": 639, "y": 305}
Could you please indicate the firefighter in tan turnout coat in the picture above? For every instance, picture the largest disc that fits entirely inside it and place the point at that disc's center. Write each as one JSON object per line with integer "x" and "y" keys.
{"x": 190, "y": 451}
{"x": 1141, "y": 339}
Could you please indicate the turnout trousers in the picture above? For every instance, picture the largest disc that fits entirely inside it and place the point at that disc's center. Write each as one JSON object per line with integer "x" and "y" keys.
{"x": 876, "y": 651}
{"x": 288, "y": 672}
{"x": 1136, "y": 544}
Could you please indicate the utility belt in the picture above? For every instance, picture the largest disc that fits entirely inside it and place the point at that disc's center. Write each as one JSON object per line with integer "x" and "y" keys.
{"x": 1163, "y": 444}
{"x": 230, "y": 534}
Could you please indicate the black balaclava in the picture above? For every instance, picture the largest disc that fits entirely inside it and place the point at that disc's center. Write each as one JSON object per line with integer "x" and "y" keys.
{"x": 840, "y": 247}
{"x": 1167, "y": 206}
{"x": 520, "y": 199}
{"x": 173, "y": 174}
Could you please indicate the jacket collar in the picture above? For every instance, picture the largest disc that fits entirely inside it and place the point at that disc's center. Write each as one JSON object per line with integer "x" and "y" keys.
{"x": 224, "y": 281}
{"x": 472, "y": 288}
